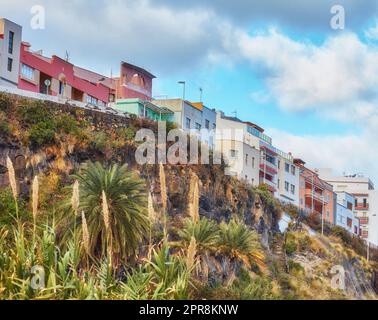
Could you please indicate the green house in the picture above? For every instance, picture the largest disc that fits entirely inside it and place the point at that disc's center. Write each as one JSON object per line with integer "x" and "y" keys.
{"x": 144, "y": 109}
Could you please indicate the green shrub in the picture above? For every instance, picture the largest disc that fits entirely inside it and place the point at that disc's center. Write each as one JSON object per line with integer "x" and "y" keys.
{"x": 5, "y": 102}
{"x": 67, "y": 124}
{"x": 34, "y": 113}
{"x": 127, "y": 133}
{"x": 100, "y": 141}
{"x": 290, "y": 245}
{"x": 8, "y": 208}
{"x": 41, "y": 134}
{"x": 4, "y": 126}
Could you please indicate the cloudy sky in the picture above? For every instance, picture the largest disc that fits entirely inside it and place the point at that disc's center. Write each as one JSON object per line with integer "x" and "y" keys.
{"x": 282, "y": 66}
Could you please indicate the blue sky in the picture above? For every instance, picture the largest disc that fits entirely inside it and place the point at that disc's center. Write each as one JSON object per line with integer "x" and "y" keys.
{"x": 278, "y": 64}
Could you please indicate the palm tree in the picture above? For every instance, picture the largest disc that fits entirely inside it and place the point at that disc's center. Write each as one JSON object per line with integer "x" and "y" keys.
{"x": 205, "y": 232}
{"x": 206, "y": 235}
{"x": 239, "y": 243}
{"x": 126, "y": 217}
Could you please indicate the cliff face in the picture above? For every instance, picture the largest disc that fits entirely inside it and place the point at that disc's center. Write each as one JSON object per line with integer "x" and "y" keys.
{"x": 77, "y": 136}
{"x": 110, "y": 138}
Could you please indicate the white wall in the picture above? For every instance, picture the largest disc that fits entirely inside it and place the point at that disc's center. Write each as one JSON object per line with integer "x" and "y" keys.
{"x": 10, "y": 78}
{"x": 373, "y": 217}
{"x": 292, "y": 179}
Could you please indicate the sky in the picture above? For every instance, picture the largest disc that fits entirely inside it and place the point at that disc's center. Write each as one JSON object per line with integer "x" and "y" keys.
{"x": 276, "y": 63}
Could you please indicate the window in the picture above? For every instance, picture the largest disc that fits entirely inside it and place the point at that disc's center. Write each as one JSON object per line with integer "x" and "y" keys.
{"x": 207, "y": 124}
{"x": 92, "y": 100}
{"x": 270, "y": 159}
{"x": 279, "y": 164}
{"x": 11, "y": 40}
{"x": 293, "y": 170}
{"x": 233, "y": 153}
{"x": 246, "y": 159}
{"x": 355, "y": 202}
{"x": 292, "y": 189}
{"x": 350, "y": 206}
{"x": 287, "y": 167}
{"x": 278, "y": 183}
{"x": 365, "y": 203}
{"x": 27, "y": 72}
{"x": 253, "y": 162}
{"x": 287, "y": 186}
{"x": 10, "y": 64}
{"x": 198, "y": 126}
{"x": 214, "y": 126}
{"x": 61, "y": 88}
{"x": 188, "y": 123}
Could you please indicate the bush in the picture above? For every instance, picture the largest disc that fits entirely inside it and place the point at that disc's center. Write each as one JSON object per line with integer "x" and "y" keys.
{"x": 8, "y": 208}
{"x": 5, "y": 102}
{"x": 35, "y": 113}
{"x": 67, "y": 124}
{"x": 100, "y": 141}
{"x": 4, "y": 126}
{"x": 41, "y": 134}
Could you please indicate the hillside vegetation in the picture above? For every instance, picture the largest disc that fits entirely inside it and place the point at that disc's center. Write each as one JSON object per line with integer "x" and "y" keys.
{"x": 79, "y": 219}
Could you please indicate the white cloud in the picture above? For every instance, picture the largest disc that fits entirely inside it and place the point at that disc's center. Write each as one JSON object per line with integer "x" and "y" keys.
{"x": 341, "y": 73}
{"x": 349, "y": 153}
{"x": 372, "y": 33}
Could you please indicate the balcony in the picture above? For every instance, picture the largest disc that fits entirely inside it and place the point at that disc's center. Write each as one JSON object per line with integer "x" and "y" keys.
{"x": 314, "y": 195}
{"x": 364, "y": 220}
{"x": 268, "y": 168}
{"x": 361, "y": 206}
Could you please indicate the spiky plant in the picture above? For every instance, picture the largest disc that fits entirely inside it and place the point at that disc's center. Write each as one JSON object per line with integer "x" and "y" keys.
{"x": 126, "y": 208}
{"x": 239, "y": 243}
{"x": 205, "y": 232}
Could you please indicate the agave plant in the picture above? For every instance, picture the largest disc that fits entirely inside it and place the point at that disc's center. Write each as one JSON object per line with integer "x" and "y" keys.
{"x": 125, "y": 217}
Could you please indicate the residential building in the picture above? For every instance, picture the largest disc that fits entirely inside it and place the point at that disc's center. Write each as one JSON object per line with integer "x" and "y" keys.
{"x": 238, "y": 149}
{"x": 192, "y": 117}
{"x": 288, "y": 179}
{"x": 252, "y": 156}
{"x": 345, "y": 213}
{"x": 315, "y": 194}
{"x": 10, "y": 46}
{"x": 58, "y": 77}
{"x": 365, "y": 203}
{"x": 28, "y": 70}
{"x": 134, "y": 82}
{"x": 144, "y": 109}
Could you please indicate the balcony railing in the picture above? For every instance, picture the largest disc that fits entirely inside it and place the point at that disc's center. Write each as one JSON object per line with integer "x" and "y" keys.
{"x": 361, "y": 206}
{"x": 269, "y": 168}
{"x": 314, "y": 195}
{"x": 364, "y": 220}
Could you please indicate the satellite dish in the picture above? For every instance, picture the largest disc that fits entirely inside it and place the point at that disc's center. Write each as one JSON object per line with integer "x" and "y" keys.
{"x": 47, "y": 82}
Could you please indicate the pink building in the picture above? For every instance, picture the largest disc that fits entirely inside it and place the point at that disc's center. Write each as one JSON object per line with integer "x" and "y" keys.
{"x": 32, "y": 71}
{"x": 134, "y": 83}
{"x": 55, "y": 76}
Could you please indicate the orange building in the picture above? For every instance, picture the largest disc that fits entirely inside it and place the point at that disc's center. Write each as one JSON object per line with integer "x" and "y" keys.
{"x": 315, "y": 194}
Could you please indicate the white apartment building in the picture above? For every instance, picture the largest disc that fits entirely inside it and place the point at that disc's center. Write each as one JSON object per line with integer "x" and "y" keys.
{"x": 365, "y": 200}
{"x": 288, "y": 179}
{"x": 251, "y": 156}
{"x": 10, "y": 48}
{"x": 191, "y": 116}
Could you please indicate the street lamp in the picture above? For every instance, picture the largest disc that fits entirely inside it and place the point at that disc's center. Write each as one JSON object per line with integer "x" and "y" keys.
{"x": 183, "y": 83}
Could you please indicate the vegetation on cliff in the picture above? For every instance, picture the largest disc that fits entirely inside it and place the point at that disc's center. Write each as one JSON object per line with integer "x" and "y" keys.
{"x": 96, "y": 225}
